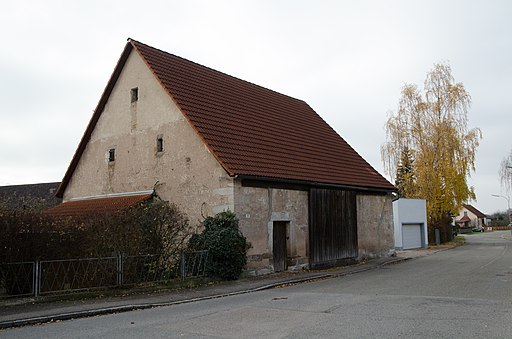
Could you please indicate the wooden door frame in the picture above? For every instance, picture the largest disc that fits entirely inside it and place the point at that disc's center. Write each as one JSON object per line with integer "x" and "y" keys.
{"x": 282, "y": 225}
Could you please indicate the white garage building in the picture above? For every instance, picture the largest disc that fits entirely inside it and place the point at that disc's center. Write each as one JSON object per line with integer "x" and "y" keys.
{"x": 410, "y": 223}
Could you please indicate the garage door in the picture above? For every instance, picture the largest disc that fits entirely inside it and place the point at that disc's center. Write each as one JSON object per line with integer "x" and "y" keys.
{"x": 411, "y": 236}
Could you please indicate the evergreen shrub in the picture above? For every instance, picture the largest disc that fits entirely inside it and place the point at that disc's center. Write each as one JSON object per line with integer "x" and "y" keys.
{"x": 227, "y": 247}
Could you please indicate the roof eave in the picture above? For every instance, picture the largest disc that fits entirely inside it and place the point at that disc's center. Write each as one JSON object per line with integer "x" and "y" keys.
{"x": 313, "y": 184}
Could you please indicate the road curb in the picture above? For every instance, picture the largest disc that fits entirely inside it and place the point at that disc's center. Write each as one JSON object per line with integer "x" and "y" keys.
{"x": 127, "y": 308}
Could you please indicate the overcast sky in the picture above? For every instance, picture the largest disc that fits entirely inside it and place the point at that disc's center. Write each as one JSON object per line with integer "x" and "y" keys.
{"x": 347, "y": 59}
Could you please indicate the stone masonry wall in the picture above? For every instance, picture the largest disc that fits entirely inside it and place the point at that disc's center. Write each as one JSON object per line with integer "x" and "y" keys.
{"x": 375, "y": 225}
{"x": 257, "y": 209}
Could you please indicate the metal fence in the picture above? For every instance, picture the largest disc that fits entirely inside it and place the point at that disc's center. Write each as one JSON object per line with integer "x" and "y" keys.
{"x": 17, "y": 278}
{"x": 77, "y": 274}
{"x": 58, "y": 276}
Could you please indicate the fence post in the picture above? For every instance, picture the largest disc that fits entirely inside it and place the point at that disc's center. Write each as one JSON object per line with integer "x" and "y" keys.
{"x": 37, "y": 278}
{"x": 119, "y": 269}
{"x": 183, "y": 268}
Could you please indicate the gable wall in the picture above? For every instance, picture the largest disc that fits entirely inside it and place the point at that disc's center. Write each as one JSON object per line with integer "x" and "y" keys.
{"x": 186, "y": 172}
{"x": 471, "y": 215}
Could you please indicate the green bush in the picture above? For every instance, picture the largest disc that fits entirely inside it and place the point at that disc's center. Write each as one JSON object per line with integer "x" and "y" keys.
{"x": 227, "y": 247}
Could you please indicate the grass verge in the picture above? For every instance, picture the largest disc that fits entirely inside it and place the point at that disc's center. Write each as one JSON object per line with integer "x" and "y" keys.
{"x": 459, "y": 240}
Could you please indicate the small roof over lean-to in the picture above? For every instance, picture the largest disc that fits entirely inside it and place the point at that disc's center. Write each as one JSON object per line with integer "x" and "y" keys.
{"x": 253, "y": 132}
{"x": 98, "y": 205}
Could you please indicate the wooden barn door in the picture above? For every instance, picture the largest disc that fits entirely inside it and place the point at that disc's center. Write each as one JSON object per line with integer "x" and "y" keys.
{"x": 279, "y": 245}
{"x": 333, "y": 227}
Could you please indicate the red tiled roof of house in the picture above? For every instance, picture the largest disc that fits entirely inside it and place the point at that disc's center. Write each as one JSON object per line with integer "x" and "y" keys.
{"x": 74, "y": 208}
{"x": 252, "y": 131}
{"x": 474, "y": 211}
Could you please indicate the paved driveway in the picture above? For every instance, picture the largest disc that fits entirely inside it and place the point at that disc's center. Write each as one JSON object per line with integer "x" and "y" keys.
{"x": 465, "y": 292}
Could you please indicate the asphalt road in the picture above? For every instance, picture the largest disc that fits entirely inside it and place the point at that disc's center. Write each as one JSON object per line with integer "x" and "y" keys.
{"x": 464, "y": 292}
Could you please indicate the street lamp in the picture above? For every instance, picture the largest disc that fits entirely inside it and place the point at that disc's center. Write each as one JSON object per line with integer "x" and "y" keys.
{"x": 508, "y": 205}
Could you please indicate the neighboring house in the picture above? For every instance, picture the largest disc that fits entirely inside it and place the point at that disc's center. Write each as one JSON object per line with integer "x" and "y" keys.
{"x": 410, "y": 223}
{"x": 470, "y": 217}
{"x": 210, "y": 142}
{"x": 30, "y": 196}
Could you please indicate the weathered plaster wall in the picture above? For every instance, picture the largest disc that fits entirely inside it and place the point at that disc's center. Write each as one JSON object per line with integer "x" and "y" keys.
{"x": 375, "y": 225}
{"x": 257, "y": 209}
{"x": 186, "y": 172}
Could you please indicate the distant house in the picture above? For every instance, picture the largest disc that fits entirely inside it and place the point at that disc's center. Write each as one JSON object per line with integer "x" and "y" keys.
{"x": 30, "y": 196}
{"x": 470, "y": 217}
{"x": 210, "y": 142}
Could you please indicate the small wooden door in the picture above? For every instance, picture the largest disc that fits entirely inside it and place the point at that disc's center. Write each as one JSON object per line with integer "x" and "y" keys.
{"x": 279, "y": 245}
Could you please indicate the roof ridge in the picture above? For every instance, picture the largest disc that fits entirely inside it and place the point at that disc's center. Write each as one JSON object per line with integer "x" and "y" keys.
{"x": 474, "y": 210}
{"x": 215, "y": 70}
{"x": 205, "y": 95}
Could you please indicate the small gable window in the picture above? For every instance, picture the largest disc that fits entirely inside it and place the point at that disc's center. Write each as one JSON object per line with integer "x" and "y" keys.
{"x": 159, "y": 144}
{"x": 111, "y": 155}
{"x": 134, "y": 94}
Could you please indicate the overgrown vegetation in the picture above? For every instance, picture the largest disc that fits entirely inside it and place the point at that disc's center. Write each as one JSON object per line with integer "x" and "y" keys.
{"x": 149, "y": 228}
{"x": 227, "y": 247}
{"x": 156, "y": 227}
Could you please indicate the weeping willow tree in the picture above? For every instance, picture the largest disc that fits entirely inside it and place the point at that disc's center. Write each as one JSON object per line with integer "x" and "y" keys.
{"x": 431, "y": 128}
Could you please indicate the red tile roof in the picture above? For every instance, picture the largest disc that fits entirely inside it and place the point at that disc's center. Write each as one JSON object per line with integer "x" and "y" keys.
{"x": 252, "y": 131}
{"x": 84, "y": 207}
{"x": 474, "y": 211}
